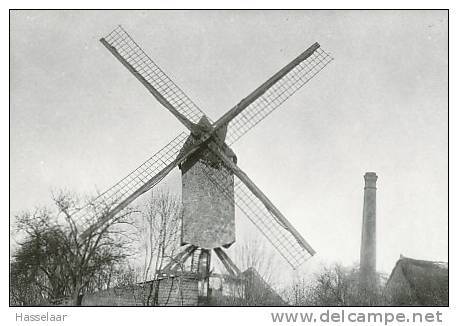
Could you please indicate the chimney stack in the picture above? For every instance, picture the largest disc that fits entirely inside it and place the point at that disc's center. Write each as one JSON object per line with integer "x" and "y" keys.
{"x": 367, "y": 268}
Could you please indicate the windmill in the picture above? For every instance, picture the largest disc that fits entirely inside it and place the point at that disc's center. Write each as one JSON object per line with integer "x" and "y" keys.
{"x": 212, "y": 182}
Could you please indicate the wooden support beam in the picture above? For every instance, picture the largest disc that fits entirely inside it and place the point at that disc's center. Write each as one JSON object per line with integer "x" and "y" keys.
{"x": 180, "y": 258}
{"x": 227, "y": 262}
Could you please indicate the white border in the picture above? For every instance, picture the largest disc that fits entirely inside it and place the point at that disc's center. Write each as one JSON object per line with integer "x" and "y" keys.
{"x": 219, "y": 315}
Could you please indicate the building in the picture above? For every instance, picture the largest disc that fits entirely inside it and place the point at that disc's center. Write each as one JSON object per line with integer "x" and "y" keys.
{"x": 246, "y": 289}
{"x": 417, "y": 283}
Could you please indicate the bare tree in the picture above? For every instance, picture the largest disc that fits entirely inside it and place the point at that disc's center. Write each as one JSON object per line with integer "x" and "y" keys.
{"x": 35, "y": 270}
{"x": 299, "y": 291}
{"x": 57, "y": 259}
{"x": 334, "y": 285}
{"x": 159, "y": 230}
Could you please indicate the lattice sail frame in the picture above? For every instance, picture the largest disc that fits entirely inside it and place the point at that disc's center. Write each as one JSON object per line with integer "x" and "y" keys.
{"x": 133, "y": 181}
{"x": 278, "y": 234}
{"x": 151, "y": 73}
{"x": 277, "y": 94}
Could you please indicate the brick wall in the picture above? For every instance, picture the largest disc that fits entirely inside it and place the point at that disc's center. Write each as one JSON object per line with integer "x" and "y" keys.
{"x": 176, "y": 291}
{"x": 173, "y": 291}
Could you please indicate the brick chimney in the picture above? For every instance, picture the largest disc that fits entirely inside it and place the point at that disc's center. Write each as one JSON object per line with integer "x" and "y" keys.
{"x": 368, "y": 256}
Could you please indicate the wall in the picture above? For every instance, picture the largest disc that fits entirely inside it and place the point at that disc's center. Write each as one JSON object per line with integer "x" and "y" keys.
{"x": 178, "y": 291}
{"x": 173, "y": 291}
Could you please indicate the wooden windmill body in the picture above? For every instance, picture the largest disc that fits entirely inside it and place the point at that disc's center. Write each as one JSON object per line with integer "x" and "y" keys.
{"x": 212, "y": 182}
{"x": 208, "y": 214}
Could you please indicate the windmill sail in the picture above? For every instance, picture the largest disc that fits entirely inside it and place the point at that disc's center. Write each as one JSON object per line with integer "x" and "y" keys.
{"x": 126, "y": 50}
{"x": 250, "y": 111}
{"x": 151, "y": 172}
{"x": 283, "y": 236}
{"x": 277, "y": 90}
{"x": 140, "y": 180}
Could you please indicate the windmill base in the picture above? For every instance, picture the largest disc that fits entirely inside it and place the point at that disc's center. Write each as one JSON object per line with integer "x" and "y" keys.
{"x": 192, "y": 265}
{"x": 188, "y": 281}
{"x": 194, "y": 285}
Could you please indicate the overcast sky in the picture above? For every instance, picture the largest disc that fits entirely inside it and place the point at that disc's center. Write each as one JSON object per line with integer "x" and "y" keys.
{"x": 80, "y": 121}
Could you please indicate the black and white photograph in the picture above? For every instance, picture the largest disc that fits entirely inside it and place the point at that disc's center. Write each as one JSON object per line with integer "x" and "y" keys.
{"x": 221, "y": 158}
